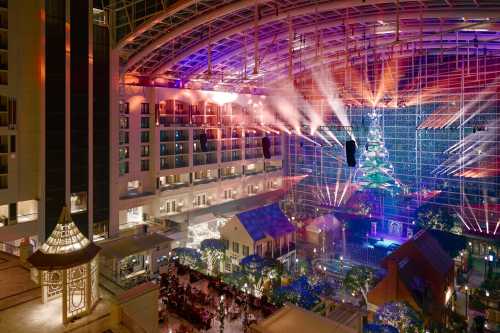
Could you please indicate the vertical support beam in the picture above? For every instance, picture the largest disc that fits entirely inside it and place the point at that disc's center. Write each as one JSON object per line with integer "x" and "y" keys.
{"x": 290, "y": 48}
{"x": 88, "y": 287}
{"x": 64, "y": 295}
{"x": 79, "y": 99}
{"x": 397, "y": 20}
{"x": 90, "y": 190}
{"x": 114, "y": 116}
{"x": 256, "y": 38}
{"x": 42, "y": 137}
{"x": 67, "y": 117}
{"x": 346, "y": 49}
{"x": 43, "y": 283}
{"x": 56, "y": 107}
{"x": 209, "y": 51}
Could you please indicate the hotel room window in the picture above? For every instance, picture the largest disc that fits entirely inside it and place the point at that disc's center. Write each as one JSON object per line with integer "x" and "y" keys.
{"x": 236, "y": 247}
{"x": 145, "y": 108}
{"x": 123, "y": 153}
{"x": 78, "y": 202}
{"x": 144, "y": 165}
{"x": 145, "y": 151}
{"x": 123, "y": 138}
{"x": 246, "y": 250}
{"x": 123, "y": 168}
{"x": 124, "y": 108}
{"x": 144, "y": 137}
{"x": 124, "y": 123}
{"x": 144, "y": 122}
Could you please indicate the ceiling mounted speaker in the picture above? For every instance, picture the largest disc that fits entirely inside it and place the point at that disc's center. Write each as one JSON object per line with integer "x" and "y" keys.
{"x": 350, "y": 152}
{"x": 266, "y": 147}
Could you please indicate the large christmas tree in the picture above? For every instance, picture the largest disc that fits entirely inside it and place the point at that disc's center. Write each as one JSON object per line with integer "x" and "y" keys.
{"x": 375, "y": 171}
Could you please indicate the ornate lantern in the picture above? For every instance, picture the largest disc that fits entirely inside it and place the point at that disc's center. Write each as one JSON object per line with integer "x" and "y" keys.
{"x": 67, "y": 264}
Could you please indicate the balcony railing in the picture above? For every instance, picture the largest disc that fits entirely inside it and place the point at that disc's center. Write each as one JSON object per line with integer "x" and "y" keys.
{"x": 204, "y": 181}
{"x": 173, "y": 186}
{"x": 166, "y": 164}
{"x": 231, "y": 176}
{"x": 204, "y": 158}
{"x": 253, "y": 155}
{"x": 253, "y": 172}
{"x": 27, "y": 217}
{"x": 181, "y": 163}
{"x": 272, "y": 168}
{"x": 135, "y": 194}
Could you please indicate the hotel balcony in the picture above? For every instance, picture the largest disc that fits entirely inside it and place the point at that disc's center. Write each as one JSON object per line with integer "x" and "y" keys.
{"x": 253, "y": 172}
{"x": 204, "y": 158}
{"x": 272, "y": 168}
{"x": 253, "y": 153}
{"x": 167, "y": 163}
{"x": 208, "y": 119}
{"x": 136, "y": 194}
{"x": 167, "y": 149}
{"x": 167, "y": 136}
{"x": 181, "y": 161}
{"x": 231, "y": 176}
{"x": 205, "y": 180}
{"x": 229, "y": 156}
{"x": 173, "y": 186}
{"x": 174, "y": 182}
{"x": 211, "y": 146}
{"x": 230, "y": 145}
{"x": 177, "y": 119}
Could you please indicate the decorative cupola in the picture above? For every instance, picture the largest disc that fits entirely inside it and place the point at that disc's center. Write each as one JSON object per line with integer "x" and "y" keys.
{"x": 67, "y": 264}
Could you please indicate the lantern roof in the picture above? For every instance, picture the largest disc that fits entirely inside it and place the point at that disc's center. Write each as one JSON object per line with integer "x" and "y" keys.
{"x": 65, "y": 247}
{"x": 66, "y": 237}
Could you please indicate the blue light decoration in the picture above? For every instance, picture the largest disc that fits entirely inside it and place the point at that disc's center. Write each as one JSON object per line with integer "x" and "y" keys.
{"x": 299, "y": 292}
{"x": 188, "y": 256}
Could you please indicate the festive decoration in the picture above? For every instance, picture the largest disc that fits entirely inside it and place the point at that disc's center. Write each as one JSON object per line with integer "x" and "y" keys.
{"x": 258, "y": 270}
{"x": 300, "y": 292}
{"x": 237, "y": 279}
{"x": 222, "y": 314}
{"x": 359, "y": 279}
{"x": 213, "y": 253}
{"x": 431, "y": 216}
{"x": 400, "y": 315}
{"x": 188, "y": 257}
{"x": 375, "y": 171}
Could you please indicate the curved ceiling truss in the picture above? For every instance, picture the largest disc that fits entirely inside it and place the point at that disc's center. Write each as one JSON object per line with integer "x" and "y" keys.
{"x": 177, "y": 39}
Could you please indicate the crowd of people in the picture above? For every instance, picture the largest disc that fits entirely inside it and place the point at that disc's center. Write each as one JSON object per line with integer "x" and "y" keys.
{"x": 204, "y": 301}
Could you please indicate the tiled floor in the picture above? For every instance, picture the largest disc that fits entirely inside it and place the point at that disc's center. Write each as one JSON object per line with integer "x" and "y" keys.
{"x": 16, "y": 286}
{"x": 21, "y": 308}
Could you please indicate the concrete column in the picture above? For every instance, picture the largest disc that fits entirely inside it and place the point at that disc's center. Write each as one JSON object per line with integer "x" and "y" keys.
{"x": 114, "y": 194}
{"x": 67, "y": 152}
{"x": 90, "y": 189}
